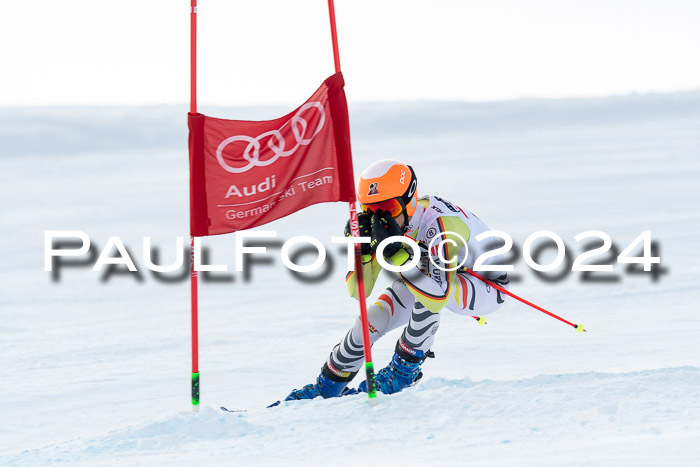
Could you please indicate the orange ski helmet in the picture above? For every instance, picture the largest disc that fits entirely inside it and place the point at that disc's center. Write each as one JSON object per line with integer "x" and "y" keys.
{"x": 388, "y": 185}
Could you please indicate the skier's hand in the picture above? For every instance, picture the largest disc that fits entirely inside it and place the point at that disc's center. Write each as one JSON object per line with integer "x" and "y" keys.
{"x": 364, "y": 221}
{"x": 383, "y": 227}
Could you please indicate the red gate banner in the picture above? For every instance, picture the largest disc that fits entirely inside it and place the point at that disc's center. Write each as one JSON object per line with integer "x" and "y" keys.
{"x": 247, "y": 173}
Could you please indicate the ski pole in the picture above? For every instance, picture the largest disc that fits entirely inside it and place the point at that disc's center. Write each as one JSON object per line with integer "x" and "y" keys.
{"x": 578, "y": 327}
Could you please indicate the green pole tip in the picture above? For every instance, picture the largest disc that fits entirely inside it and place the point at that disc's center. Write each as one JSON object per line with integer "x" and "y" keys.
{"x": 195, "y": 388}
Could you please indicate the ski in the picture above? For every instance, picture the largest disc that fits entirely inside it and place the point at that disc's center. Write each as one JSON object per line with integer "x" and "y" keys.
{"x": 274, "y": 404}
{"x": 232, "y": 411}
{"x": 348, "y": 392}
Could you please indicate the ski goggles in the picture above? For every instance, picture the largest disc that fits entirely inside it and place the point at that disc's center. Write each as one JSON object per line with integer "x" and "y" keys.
{"x": 395, "y": 206}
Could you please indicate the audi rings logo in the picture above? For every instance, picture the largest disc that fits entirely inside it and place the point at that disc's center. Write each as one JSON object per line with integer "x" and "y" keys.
{"x": 276, "y": 141}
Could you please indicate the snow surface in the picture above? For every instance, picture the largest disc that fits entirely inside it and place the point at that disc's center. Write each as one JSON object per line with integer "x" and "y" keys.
{"x": 97, "y": 372}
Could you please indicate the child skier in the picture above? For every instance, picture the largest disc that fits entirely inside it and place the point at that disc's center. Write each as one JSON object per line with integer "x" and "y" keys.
{"x": 390, "y": 206}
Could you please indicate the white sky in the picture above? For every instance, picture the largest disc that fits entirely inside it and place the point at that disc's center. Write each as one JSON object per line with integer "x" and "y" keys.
{"x": 97, "y": 52}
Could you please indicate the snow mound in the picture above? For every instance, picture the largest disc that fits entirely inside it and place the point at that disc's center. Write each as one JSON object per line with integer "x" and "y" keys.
{"x": 176, "y": 430}
{"x": 165, "y": 434}
{"x": 642, "y": 409}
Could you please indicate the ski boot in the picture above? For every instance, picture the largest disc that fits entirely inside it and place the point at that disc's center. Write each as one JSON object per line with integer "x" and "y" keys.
{"x": 402, "y": 372}
{"x": 326, "y": 386}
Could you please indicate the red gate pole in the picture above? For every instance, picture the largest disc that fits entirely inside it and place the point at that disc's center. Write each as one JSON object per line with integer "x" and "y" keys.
{"x": 334, "y": 36}
{"x": 193, "y": 273}
{"x": 354, "y": 227}
{"x": 193, "y": 57}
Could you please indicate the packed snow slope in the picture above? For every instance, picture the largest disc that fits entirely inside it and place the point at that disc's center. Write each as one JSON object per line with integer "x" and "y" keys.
{"x": 96, "y": 365}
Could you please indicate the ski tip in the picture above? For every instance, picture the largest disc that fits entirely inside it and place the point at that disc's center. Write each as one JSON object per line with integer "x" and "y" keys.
{"x": 230, "y": 411}
{"x": 224, "y": 409}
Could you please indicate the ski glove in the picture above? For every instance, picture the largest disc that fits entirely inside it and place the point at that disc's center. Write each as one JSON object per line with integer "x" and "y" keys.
{"x": 383, "y": 227}
{"x": 364, "y": 221}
